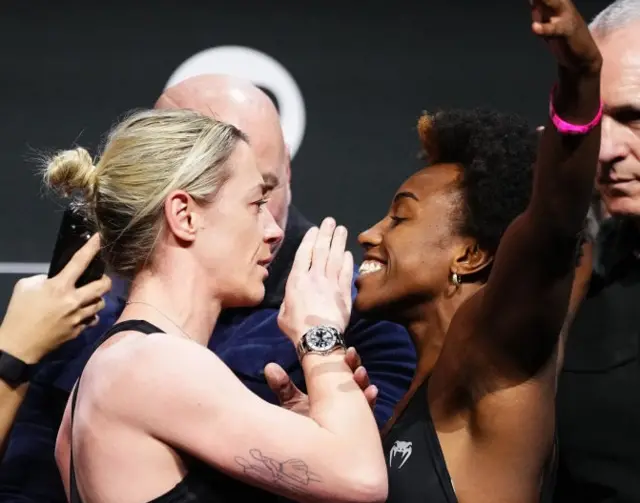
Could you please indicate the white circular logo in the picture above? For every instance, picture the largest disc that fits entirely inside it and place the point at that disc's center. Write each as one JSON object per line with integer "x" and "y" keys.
{"x": 263, "y": 71}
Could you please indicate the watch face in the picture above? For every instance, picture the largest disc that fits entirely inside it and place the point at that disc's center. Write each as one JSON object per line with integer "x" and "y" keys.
{"x": 321, "y": 339}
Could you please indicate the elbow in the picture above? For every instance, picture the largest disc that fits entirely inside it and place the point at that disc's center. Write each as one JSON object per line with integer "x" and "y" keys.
{"x": 373, "y": 491}
{"x": 368, "y": 486}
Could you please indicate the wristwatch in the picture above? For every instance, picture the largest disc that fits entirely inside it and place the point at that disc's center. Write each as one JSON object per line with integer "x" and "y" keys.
{"x": 322, "y": 340}
{"x": 13, "y": 371}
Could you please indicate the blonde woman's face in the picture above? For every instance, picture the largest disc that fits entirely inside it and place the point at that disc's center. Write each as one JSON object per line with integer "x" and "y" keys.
{"x": 239, "y": 234}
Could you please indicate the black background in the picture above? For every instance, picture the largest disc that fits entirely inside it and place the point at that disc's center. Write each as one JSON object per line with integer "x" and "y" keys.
{"x": 68, "y": 70}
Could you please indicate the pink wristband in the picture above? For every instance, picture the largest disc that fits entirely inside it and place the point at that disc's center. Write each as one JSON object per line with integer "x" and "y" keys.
{"x": 565, "y": 127}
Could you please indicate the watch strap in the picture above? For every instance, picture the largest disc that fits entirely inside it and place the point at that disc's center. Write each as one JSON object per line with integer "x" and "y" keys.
{"x": 13, "y": 371}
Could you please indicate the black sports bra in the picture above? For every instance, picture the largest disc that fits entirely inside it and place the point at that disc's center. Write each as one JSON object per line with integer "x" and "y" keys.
{"x": 416, "y": 465}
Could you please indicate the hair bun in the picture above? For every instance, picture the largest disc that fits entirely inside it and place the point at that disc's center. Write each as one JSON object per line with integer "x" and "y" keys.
{"x": 71, "y": 170}
{"x": 427, "y": 138}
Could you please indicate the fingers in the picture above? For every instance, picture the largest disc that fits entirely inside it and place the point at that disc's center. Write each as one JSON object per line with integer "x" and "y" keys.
{"x": 371, "y": 394}
{"x": 345, "y": 277}
{"x": 86, "y": 314}
{"x": 548, "y": 17}
{"x": 551, "y": 4}
{"x": 80, "y": 260}
{"x": 280, "y": 383}
{"x": 336, "y": 253}
{"x": 551, "y": 28}
{"x": 547, "y": 6}
{"x": 302, "y": 260}
{"x": 90, "y": 323}
{"x": 322, "y": 246}
{"x": 361, "y": 377}
{"x": 352, "y": 359}
{"x": 94, "y": 290}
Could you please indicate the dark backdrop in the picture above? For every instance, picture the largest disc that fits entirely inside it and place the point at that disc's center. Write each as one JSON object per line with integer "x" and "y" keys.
{"x": 364, "y": 71}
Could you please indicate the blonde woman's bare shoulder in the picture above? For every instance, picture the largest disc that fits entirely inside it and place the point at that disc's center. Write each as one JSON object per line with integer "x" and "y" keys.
{"x": 133, "y": 365}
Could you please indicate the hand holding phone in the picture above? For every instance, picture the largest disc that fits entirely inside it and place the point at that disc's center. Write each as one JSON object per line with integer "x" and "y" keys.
{"x": 46, "y": 312}
{"x": 75, "y": 231}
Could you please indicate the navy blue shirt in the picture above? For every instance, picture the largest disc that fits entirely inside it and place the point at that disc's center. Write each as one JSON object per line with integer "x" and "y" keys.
{"x": 245, "y": 339}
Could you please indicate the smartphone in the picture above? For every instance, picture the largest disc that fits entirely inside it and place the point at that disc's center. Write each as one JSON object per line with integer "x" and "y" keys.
{"x": 75, "y": 230}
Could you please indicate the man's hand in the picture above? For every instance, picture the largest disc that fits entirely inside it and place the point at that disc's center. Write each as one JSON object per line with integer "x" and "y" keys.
{"x": 45, "y": 312}
{"x": 293, "y": 399}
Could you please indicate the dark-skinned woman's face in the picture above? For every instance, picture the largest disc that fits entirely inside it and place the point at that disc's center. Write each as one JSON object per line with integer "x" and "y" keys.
{"x": 410, "y": 253}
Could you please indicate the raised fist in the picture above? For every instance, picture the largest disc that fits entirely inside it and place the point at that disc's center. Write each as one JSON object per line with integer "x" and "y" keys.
{"x": 562, "y": 26}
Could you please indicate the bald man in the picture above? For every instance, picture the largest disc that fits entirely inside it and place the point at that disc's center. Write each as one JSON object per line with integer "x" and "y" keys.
{"x": 245, "y": 339}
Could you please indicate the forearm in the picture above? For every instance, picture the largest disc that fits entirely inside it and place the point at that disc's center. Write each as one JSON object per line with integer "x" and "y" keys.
{"x": 11, "y": 398}
{"x": 344, "y": 462}
{"x": 579, "y": 290}
{"x": 566, "y": 165}
{"x": 10, "y": 401}
{"x": 338, "y": 405}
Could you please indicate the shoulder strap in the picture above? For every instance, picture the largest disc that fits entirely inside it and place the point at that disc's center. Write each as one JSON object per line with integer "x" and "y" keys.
{"x": 550, "y": 473}
{"x": 130, "y": 325}
{"x": 418, "y": 383}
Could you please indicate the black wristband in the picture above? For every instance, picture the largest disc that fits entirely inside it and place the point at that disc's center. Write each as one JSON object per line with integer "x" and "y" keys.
{"x": 13, "y": 371}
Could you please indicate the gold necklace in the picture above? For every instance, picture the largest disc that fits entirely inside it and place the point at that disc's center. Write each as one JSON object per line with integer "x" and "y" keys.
{"x": 161, "y": 313}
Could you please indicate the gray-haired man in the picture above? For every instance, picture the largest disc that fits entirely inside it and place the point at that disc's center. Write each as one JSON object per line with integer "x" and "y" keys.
{"x": 599, "y": 388}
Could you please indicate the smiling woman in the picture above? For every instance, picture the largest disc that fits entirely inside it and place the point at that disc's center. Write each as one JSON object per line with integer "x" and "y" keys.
{"x": 478, "y": 180}
{"x": 476, "y": 258}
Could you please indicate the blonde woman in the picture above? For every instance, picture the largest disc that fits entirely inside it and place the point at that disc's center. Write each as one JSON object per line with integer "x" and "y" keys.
{"x": 179, "y": 204}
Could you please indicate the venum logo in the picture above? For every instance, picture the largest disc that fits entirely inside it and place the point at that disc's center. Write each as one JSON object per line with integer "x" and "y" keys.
{"x": 261, "y": 69}
{"x": 401, "y": 451}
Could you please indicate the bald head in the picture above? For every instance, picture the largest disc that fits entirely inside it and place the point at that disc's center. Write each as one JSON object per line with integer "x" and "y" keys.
{"x": 239, "y": 102}
{"x": 229, "y": 99}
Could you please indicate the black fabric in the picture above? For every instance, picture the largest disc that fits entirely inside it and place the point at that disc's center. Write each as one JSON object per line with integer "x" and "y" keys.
{"x": 550, "y": 474}
{"x": 598, "y": 402}
{"x": 416, "y": 465}
{"x": 202, "y": 483}
{"x": 14, "y": 371}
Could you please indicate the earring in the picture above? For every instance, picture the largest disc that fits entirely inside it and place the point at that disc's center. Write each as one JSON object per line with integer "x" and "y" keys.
{"x": 455, "y": 279}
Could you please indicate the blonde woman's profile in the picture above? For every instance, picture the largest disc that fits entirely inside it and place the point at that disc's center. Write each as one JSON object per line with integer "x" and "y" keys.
{"x": 156, "y": 416}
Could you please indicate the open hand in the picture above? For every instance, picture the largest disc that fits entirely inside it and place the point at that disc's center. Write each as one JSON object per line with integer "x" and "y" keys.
{"x": 293, "y": 399}
{"x": 568, "y": 36}
{"x": 318, "y": 290}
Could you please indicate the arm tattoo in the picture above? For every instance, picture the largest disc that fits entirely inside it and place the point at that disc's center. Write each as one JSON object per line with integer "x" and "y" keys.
{"x": 292, "y": 474}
